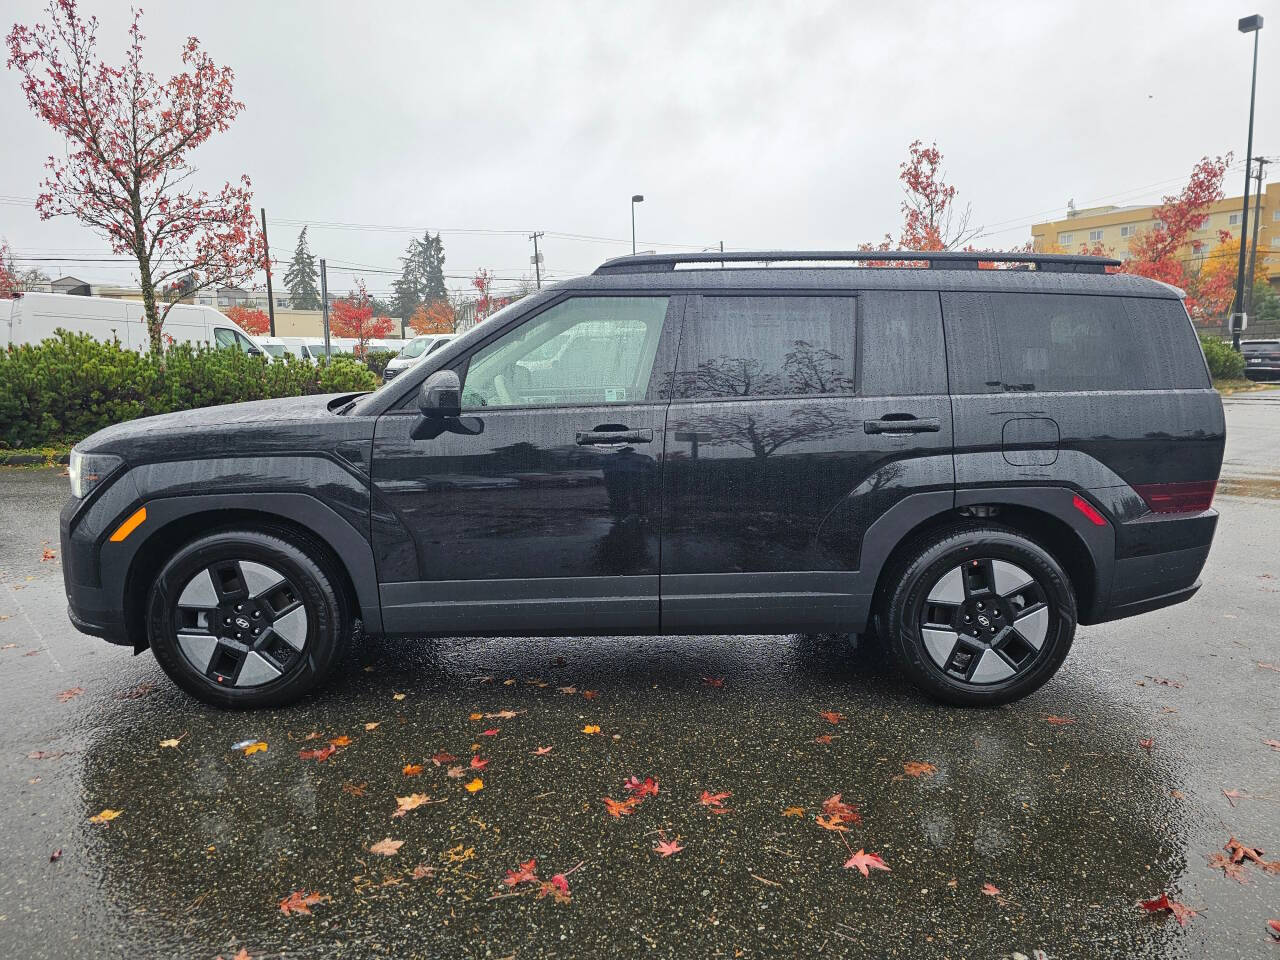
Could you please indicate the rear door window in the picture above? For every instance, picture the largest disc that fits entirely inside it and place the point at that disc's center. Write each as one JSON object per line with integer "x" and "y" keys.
{"x": 1037, "y": 342}
{"x": 749, "y": 346}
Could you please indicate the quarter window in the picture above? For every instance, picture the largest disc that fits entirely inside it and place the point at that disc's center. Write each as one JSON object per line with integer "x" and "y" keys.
{"x": 767, "y": 347}
{"x": 589, "y": 350}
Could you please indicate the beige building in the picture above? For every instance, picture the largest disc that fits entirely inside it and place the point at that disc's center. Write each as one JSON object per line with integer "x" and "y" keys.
{"x": 1114, "y": 227}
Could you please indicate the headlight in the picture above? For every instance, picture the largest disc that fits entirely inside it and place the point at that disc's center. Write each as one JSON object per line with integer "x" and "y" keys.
{"x": 87, "y": 470}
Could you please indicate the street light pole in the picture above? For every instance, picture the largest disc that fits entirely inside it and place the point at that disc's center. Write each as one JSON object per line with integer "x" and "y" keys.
{"x": 1253, "y": 247}
{"x": 1246, "y": 25}
{"x": 636, "y": 198}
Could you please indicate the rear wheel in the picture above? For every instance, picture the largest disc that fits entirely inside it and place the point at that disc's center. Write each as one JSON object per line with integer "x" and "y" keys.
{"x": 979, "y": 615}
{"x": 246, "y": 618}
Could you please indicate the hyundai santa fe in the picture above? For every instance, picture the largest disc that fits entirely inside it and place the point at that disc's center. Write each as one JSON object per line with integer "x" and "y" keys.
{"x": 969, "y": 460}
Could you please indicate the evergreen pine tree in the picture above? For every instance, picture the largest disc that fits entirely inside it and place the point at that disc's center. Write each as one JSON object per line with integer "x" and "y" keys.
{"x": 435, "y": 288}
{"x": 302, "y": 276}
{"x": 410, "y": 287}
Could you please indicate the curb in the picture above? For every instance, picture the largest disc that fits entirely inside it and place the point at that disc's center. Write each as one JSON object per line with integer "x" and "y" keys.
{"x": 33, "y": 459}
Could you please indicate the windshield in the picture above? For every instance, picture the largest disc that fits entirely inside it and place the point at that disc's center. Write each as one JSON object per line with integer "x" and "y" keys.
{"x": 275, "y": 349}
{"x": 415, "y": 347}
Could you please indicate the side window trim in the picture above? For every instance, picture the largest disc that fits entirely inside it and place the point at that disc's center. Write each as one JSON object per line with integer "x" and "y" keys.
{"x": 693, "y": 315}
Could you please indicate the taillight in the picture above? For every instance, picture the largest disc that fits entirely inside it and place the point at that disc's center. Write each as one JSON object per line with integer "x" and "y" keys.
{"x": 1177, "y": 497}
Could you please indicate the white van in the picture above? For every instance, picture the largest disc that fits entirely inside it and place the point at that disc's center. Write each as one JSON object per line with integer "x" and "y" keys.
{"x": 35, "y": 316}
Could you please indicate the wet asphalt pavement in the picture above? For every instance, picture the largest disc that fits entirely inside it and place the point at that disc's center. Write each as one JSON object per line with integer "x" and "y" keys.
{"x": 1073, "y": 823}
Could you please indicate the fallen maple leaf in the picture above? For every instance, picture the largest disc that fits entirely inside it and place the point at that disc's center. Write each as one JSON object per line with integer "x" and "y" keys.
{"x": 991, "y": 890}
{"x": 833, "y": 806}
{"x": 478, "y": 764}
{"x": 1058, "y": 721}
{"x": 171, "y": 743}
{"x": 502, "y": 715}
{"x": 591, "y": 694}
{"x": 558, "y": 887}
{"x": 713, "y": 681}
{"x": 567, "y": 689}
{"x": 490, "y": 733}
{"x": 1273, "y": 744}
{"x": 48, "y": 555}
{"x": 1181, "y": 912}
{"x": 343, "y": 741}
{"x": 412, "y": 769}
{"x": 648, "y": 787}
{"x": 1147, "y": 743}
{"x": 666, "y": 848}
{"x": 411, "y": 802}
{"x": 715, "y": 801}
{"x": 55, "y": 856}
{"x": 106, "y": 816}
{"x": 1233, "y": 795}
{"x": 1273, "y": 927}
{"x": 793, "y": 812}
{"x": 865, "y": 862}
{"x": 421, "y": 871}
{"x": 1229, "y": 867}
{"x": 917, "y": 768}
{"x": 355, "y": 789}
{"x": 824, "y": 738}
{"x": 831, "y": 823}
{"x": 591, "y": 728}
{"x": 1268, "y": 666}
{"x": 474, "y": 785}
{"x": 372, "y": 726}
{"x": 253, "y": 748}
{"x": 542, "y": 751}
{"x": 1240, "y": 853}
{"x": 71, "y": 694}
{"x": 442, "y": 758}
{"x": 621, "y": 808}
{"x": 300, "y": 902}
{"x": 387, "y": 847}
{"x": 831, "y": 716}
{"x": 397, "y": 696}
{"x": 455, "y": 772}
{"x": 319, "y": 755}
{"x": 526, "y": 873}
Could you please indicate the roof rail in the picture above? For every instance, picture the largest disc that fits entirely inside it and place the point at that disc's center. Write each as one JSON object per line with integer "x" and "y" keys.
{"x": 933, "y": 260}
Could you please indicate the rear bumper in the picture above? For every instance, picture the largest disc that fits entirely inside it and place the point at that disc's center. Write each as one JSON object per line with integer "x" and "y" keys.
{"x": 1154, "y": 580}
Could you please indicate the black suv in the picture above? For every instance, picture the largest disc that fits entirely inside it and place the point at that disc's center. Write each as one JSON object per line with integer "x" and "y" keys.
{"x": 972, "y": 460}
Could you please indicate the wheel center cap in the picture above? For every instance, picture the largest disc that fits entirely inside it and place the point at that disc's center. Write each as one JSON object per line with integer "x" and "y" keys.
{"x": 244, "y": 624}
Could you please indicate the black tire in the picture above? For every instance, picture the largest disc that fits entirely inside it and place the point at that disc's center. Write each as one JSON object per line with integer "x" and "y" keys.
{"x": 920, "y": 568}
{"x": 308, "y": 583}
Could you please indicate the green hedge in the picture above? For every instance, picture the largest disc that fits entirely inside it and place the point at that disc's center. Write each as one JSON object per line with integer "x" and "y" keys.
{"x": 377, "y": 360}
{"x": 65, "y": 388}
{"x": 1224, "y": 362}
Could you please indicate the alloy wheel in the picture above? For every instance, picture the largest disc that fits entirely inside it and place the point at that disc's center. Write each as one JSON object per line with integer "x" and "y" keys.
{"x": 985, "y": 621}
{"x": 241, "y": 623}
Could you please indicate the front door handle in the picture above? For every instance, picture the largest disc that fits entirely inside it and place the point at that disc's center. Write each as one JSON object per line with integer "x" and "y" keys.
{"x": 610, "y": 436}
{"x": 903, "y": 423}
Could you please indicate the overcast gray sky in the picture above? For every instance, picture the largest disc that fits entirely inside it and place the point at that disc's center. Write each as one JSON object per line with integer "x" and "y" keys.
{"x": 763, "y": 125}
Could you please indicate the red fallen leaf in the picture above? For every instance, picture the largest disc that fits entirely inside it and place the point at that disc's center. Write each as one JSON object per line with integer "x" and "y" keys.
{"x": 843, "y": 812}
{"x": 666, "y": 848}
{"x": 300, "y": 902}
{"x": 412, "y": 769}
{"x": 590, "y": 694}
{"x": 639, "y": 789}
{"x": 557, "y": 886}
{"x": 1147, "y": 743}
{"x": 1166, "y": 682}
{"x": 621, "y": 808}
{"x": 831, "y": 716}
{"x": 542, "y": 751}
{"x": 1273, "y": 927}
{"x": 831, "y": 823}
{"x": 1268, "y": 666}
{"x": 825, "y": 738}
{"x": 55, "y": 856}
{"x": 71, "y": 694}
{"x": 1233, "y": 795}
{"x": 1058, "y": 721}
{"x": 713, "y": 681}
{"x": 715, "y": 801}
{"x": 478, "y": 764}
{"x": 991, "y": 890}
{"x": 442, "y": 758}
{"x": 343, "y": 741}
{"x": 527, "y": 873}
{"x": 865, "y": 862}
{"x": 1181, "y": 912}
{"x": 492, "y": 732}
{"x": 918, "y": 768}
{"x": 1273, "y": 744}
{"x": 48, "y": 555}
{"x": 421, "y": 871}
{"x": 1230, "y": 868}
{"x": 1240, "y": 853}
{"x": 320, "y": 755}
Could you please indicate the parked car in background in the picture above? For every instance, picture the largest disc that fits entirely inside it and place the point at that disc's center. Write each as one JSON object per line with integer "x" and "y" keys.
{"x": 34, "y": 317}
{"x": 1261, "y": 359}
{"x": 971, "y": 460}
{"x": 414, "y": 351}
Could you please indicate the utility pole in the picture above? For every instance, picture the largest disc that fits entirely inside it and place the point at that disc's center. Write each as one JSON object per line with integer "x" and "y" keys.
{"x": 266, "y": 251}
{"x": 1253, "y": 249}
{"x": 537, "y": 257}
{"x": 324, "y": 305}
{"x": 1252, "y": 25}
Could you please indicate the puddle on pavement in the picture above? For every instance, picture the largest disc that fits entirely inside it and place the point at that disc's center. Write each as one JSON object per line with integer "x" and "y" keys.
{"x": 1072, "y": 823}
{"x": 1264, "y": 486}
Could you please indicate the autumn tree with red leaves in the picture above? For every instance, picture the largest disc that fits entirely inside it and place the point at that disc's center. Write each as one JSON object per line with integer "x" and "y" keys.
{"x": 353, "y": 317}
{"x": 129, "y": 139}
{"x": 10, "y": 284}
{"x": 249, "y": 319}
{"x": 436, "y": 317}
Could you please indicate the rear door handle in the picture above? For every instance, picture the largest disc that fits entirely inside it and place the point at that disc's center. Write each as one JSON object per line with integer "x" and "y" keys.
{"x": 609, "y": 437}
{"x": 903, "y": 423}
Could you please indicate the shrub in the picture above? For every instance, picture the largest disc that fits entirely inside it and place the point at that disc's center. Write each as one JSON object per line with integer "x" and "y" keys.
{"x": 71, "y": 385}
{"x": 1224, "y": 362}
{"x": 377, "y": 361}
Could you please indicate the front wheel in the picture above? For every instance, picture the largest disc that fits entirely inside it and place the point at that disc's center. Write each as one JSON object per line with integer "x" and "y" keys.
{"x": 245, "y": 618}
{"x": 979, "y": 615}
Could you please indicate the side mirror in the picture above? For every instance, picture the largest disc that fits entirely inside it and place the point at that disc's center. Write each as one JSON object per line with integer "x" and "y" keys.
{"x": 440, "y": 395}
